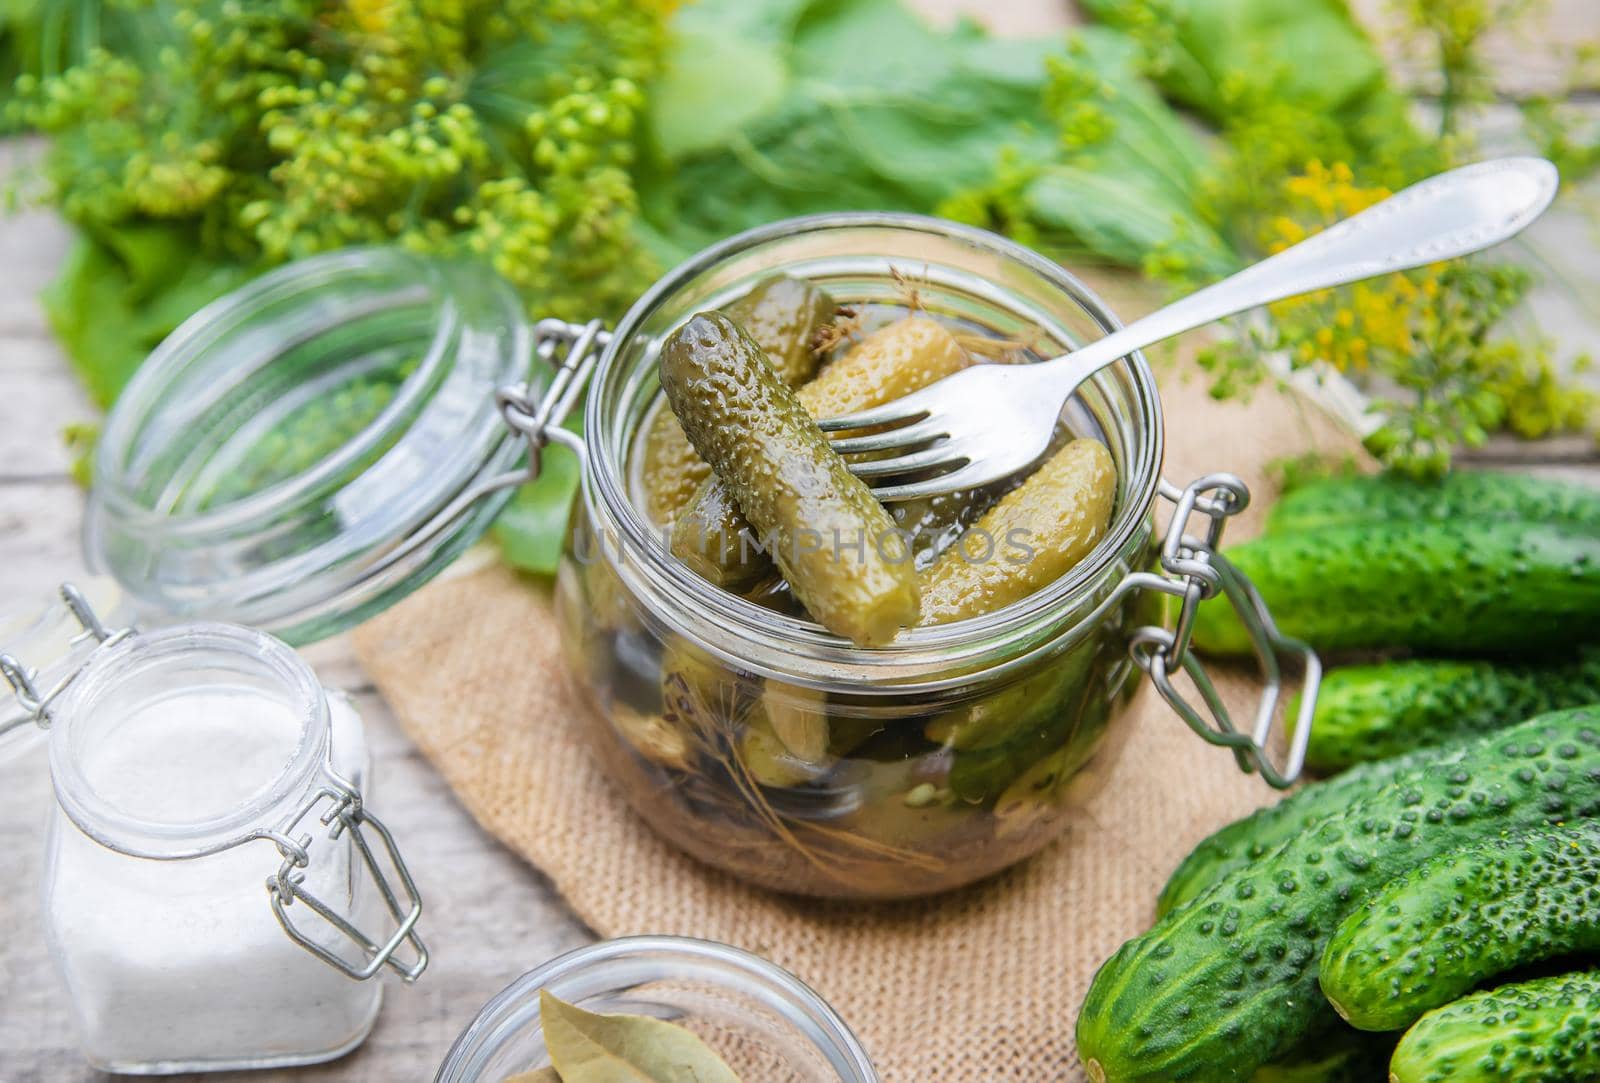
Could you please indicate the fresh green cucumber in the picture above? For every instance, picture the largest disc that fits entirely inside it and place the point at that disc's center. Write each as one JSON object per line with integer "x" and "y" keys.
{"x": 1342, "y": 1055}
{"x": 826, "y": 530}
{"x": 1228, "y": 983}
{"x": 1542, "y": 1031}
{"x": 1252, "y": 838}
{"x": 1461, "y": 495}
{"x": 1473, "y": 586}
{"x": 1372, "y": 712}
{"x": 1439, "y": 930}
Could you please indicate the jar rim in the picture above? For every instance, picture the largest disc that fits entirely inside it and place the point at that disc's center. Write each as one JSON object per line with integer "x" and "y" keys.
{"x": 500, "y": 1019}
{"x": 200, "y": 333}
{"x": 609, "y": 478}
{"x": 137, "y": 836}
{"x": 374, "y": 516}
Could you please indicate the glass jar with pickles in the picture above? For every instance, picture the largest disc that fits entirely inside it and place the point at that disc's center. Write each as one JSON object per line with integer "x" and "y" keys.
{"x": 829, "y": 696}
{"x": 815, "y": 691}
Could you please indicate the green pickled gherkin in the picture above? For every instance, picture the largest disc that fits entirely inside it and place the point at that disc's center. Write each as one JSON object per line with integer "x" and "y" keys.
{"x": 1033, "y": 536}
{"x": 769, "y": 758}
{"x": 1001, "y": 716}
{"x": 783, "y": 314}
{"x": 723, "y": 558}
{"x": 652, "y": 736}
{"x": 892, "y": 361}
{"x": 713, "y": 536}
{"x": 799, "y": 718}
{"x": 982, "y": 776}
{"x": 827, "y": 532}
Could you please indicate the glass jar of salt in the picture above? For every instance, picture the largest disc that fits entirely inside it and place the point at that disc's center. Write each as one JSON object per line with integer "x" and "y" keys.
{"x": 296, "y": 457}
{"x": 191, "y": 765}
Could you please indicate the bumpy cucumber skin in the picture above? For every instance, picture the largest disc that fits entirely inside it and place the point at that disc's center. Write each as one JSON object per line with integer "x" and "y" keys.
{"x": 783, "y": 314}
{"x": 894, "y": 360}
{"x": 1342, "y": 1055}
{"x": 1543, "y": 1031}
{"x": 1502, "y": 587}
{"x": 1059, "y": 514}
{"x": 1438, "y": 931}
{"x": 1462, "y": 495}
{"x": 1373, "y": 712}
{"x": 793, "y": 487}
{"x": 701, "y": 540}
{"x": 1252, "y": 838}
{"x": 1228, "y": 983}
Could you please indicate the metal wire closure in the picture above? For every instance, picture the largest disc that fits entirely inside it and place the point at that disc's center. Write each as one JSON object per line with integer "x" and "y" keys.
{"x": 1195, "y": 572}
{"x": 345, "y": 812}
{"x": 23, "y": 680}
{"x": 573, "y": 349}
{"x": 286, "y": 886}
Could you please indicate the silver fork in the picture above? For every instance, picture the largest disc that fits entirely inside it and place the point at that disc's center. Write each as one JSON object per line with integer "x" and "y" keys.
{"x": 989, "y": 421}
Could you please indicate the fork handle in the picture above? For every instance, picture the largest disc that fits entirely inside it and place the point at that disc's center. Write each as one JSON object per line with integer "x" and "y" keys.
{"x": 1455, "y": 213}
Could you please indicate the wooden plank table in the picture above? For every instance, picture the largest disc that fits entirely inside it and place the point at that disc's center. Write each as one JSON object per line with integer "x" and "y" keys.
{"x": 489, "y": 916}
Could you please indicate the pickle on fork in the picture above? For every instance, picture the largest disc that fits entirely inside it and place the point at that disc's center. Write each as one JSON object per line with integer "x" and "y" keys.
{"x": 1031, "y": 538}
{"x": 712, "y": 535}
{"x": 833, "y": 541}
{"x": 783, "y": 314}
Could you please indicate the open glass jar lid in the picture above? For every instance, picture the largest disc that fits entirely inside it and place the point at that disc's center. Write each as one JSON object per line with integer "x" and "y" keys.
{"x": 305, "y": 450}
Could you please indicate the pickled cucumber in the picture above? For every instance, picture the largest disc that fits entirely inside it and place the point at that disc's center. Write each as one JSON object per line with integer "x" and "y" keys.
{"x": 799, "y": 718}
{"x": 1031, "y": 538}
{"x": 713, "y": 537}
{"x": 769, "y": 758}
{"x": 652, "y": 736}
{"x": 1001, "y": 716}
{"x": 829, "y": 536}
{"x": 892, "y": 361}
{"x": 783, "y": 314}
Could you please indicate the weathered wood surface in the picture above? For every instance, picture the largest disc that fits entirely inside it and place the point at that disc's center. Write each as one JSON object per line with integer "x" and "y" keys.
{"x": 489, "y": 916}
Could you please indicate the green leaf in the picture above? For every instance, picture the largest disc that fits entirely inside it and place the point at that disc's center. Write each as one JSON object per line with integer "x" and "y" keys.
{"x": 714, "y": 84}
{"x": 532, "y": 529}
{"x": 1309, "y": 52}
{"x": 881, "y": 112}
{"x": 538, "y": 1075}
{"x": 590, "y": 1048}
{"x": 121, "y": 291}
{"x": 884, "y": 112}
{"x": 1121, "y": 218}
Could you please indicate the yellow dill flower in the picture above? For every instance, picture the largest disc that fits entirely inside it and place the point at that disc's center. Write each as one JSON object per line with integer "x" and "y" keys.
{"x": 372, "y": 16}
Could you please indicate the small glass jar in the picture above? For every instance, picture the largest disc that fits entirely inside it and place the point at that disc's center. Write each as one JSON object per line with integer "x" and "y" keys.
{"x": 191, "y": 765}
{"x": 759, "y": 1018}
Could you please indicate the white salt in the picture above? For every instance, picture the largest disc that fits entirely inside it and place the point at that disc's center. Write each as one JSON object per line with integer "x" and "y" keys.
{"x": 182, "y": 964}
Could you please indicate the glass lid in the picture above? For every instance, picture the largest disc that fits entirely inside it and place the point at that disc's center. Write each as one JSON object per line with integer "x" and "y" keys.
{"x": 304, "y": 451}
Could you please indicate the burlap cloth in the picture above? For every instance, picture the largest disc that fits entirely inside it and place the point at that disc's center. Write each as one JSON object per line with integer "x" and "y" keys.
{"x": 981, "y": 984}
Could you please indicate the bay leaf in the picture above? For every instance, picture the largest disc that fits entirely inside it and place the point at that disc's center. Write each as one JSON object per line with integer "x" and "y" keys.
{"x": 586, "y": 1047}
{"x": 538, "y": 1075}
